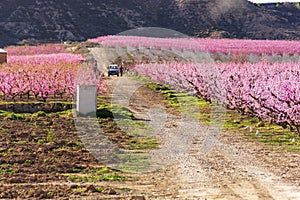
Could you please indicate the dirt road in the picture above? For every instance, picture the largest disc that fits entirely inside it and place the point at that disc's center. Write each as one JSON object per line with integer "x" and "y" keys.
{"x": 198, "y": 162}
{"x": 201, "y": 162}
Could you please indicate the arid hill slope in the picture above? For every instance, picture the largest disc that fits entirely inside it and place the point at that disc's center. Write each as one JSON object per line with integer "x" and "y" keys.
{"x": 60, "y": 20}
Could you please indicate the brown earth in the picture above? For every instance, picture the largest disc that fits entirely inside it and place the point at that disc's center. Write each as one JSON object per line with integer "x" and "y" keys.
{"x": 195, "y": 162}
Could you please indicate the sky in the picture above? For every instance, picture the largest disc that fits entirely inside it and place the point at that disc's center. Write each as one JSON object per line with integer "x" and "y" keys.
{"x": 272, "y": 1}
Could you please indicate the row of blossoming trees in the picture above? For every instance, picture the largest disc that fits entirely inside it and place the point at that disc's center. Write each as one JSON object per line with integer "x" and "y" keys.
{"x": 43, "y": 72}
{"x": 226, "y": 46}
{"x": 267, "y": 91}
{"x": 264, "y": 90}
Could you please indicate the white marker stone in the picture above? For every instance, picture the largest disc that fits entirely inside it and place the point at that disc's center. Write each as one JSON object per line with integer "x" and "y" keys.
{"x": 86, "y": 99}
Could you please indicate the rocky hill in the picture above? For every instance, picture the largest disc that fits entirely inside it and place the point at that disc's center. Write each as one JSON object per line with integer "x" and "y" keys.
{"x": 60, "y": 20}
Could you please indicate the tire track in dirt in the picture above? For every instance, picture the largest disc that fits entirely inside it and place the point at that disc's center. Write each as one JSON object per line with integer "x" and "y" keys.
{"x": 224, "y": 172}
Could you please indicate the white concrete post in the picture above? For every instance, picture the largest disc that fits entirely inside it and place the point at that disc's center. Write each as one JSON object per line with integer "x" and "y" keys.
{"x": 86, "y": 100}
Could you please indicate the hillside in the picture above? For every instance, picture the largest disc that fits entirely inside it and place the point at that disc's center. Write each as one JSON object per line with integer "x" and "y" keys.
{"x": 60, "y": 20}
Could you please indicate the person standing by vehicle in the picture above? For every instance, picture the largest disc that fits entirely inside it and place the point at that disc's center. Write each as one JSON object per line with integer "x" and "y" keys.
{"x": 121, "y": 70}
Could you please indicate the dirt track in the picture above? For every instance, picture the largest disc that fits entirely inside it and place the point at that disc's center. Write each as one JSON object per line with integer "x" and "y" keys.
{"x": 199, "y": 162}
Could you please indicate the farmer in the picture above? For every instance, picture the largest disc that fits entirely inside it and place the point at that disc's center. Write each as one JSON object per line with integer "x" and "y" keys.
{"x": 121, "y": 70}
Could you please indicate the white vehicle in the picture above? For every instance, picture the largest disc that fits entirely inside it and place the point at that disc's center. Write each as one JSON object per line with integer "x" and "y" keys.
{"x": 113, "y": 70}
